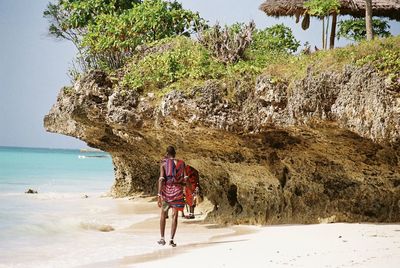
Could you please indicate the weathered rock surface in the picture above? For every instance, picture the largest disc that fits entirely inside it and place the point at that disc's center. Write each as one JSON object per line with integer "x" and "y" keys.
{"x": 326, "y": 147}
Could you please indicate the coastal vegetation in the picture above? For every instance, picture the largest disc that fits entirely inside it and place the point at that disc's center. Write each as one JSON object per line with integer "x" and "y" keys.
{"x": 183, "y": 63}
{"x": 382, "y": 54}
{"x": 177, "y": 62}
{"x": 154, "y": 45}
{"x": 324, "y": 9}
{"x": 107, "y": 32}
{"x": 355, "y": 29}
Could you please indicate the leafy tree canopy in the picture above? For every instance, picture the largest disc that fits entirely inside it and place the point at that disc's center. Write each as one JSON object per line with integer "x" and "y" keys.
{"x": 147, "y": 22}
{"x": 355, "y": 29}
{"x": 322, "y": 8}
{"x": 275, "y": 38}
{"x": 106, "y": 32}
{"x": 69, "y": 18}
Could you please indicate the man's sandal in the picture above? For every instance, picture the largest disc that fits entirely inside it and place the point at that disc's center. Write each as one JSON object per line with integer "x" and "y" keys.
{"x": 161, "y": 242}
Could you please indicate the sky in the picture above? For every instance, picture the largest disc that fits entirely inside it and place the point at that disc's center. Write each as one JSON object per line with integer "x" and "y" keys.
{"x": 33, "y": 66}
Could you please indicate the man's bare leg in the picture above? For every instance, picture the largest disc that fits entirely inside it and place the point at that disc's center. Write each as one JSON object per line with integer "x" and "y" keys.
{"x": 174, "y": 225}
{"x": 162, "y": 227}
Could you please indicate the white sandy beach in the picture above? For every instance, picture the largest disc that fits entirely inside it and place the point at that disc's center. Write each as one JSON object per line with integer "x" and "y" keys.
{"x": 324, "y": 245}
{"x": 319, "y": 245}
{"x": 136, "y": 230}
{"x": 72, "y": 223}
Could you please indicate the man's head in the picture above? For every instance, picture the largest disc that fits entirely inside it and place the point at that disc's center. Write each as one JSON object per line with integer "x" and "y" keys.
{"x": 171, "y": 151}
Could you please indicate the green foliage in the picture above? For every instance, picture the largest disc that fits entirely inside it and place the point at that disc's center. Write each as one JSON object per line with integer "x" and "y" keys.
{"x": 241, "y": 45}
{"x": 385, "y": 59}
{"x": 81, "y": 13}
{"x": 106, "y": 32}
{"x": 112, "y": 38}
{"x": 175, "y": 61}
{"x": 147, "y": 46}
{"x": 68, "y": 19}
{"x": 355, "y": 29}
{"x": 276, "y": 38}
{"x": 150, "y": 21}
{"x": 322, "y": 8}
{"x": 384, "y": 54}
{"x": 271, "y": 45}
{"x": 184, "y": 59}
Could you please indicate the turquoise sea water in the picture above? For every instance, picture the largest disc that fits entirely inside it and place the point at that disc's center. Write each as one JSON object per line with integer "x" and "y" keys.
{"x": 53, "y": 170}
{"x": 63, "y": 225}
{"x": 37, "y": 228}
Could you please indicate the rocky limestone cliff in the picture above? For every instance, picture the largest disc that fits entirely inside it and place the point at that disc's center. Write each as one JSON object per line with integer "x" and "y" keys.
{"x": 327, "y": 146}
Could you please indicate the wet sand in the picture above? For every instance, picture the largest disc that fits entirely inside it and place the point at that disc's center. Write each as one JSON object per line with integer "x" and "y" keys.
{"x": 191, "y": 234}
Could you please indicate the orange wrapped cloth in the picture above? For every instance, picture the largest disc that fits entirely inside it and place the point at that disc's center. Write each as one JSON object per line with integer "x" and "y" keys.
{"x": 192, "y": 186}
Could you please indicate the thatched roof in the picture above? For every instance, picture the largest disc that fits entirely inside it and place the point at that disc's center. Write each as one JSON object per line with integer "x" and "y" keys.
{"x": 355, "y": 8}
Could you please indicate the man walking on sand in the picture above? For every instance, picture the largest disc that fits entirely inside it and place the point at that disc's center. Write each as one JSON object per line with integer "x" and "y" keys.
{"x": 191, "y": 190}
{"x": 170, "y": 191}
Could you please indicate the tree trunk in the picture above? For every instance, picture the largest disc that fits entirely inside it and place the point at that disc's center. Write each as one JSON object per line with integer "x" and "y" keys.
{"x": 323, "y": 33}
{"x": 326, "y": 32}
{"x": 368, "y": 19}
{"x": 333, "y": 31}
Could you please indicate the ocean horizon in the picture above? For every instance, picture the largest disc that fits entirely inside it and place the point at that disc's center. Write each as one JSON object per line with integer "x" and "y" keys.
{"x": 72, "y": 206}
{"x": 54, "y": 169}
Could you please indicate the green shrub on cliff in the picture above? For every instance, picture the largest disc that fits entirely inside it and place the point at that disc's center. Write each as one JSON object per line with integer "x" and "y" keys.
{"x": 106, "y": 32}
{"x": 116, "y": 37}
{"x": 383, "y": 54}
{"x": 271, "y": 45}
{"x": 147, "y": 45}
{"x": 241, "y": 42}
{"x": 275, "y": 38}
{"x": 183, "y": 58}
{"x": 176, "y": 61}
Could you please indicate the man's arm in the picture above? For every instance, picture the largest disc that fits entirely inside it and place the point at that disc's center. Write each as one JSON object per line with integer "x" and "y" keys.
{"x": 196, "y": 182}
{"x": 185, "y": 176}
{"x": 160, "y": 184}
